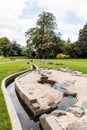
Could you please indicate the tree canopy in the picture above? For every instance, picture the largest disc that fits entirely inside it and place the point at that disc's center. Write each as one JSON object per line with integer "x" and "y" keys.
{"x": 8, "y": 48}
{"x": 4, "y": 41}
{"x": 13, "y": 49}
{"x": 82, "y": 42}
{"x": 42, "y": 39}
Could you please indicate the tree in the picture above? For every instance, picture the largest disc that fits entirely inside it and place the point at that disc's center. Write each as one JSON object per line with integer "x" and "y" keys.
{"x": 71, "y": 50}
{"x": 13, "y": 49}
{"x": 68, "y": 40}
{"x": 3, "y": 45}
{"x": 42, "y": 39}
{"x": 46, "y": 23}
{"x": 82, "y": 42}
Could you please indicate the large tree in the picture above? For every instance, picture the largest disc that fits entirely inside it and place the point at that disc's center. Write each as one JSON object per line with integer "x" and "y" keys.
{"x": 42, "y": 39}
{"x": 14, "y": 49}
{"x": 82, "y": 42}
{"x": 46, "y": 23}
{"x": 4, "y": 41}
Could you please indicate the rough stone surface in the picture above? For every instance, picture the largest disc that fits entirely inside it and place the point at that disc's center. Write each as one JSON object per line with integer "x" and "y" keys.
{"x": 77, "y": 126}
{"x": 35, "y": 106}
{"x": 67, "y": 83}
{"x": 49, "y": 123}
{"x": 58, "y": 113}
{"x": 84, "y": 105}
{"x": 74, "y": 82}
{"x": 79, "y": 112}
{"x": 84, "y": 75}
{"x": 39, "y": 97}
{"x": 76, "y": 73}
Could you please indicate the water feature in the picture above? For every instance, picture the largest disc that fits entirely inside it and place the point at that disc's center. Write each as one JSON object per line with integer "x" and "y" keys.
{"x": 61, "y": 89}
{"x": 67, "y": 101}
{"x": 25, "y": 116}
{"x": 23, "y": 112}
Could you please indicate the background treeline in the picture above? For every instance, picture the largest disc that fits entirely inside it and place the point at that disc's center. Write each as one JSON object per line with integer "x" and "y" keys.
{"x": 44, "y": 42}
{"x": 8, "y": 48}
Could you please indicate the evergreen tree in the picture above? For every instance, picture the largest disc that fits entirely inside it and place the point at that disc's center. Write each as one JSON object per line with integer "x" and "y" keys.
{"x": 82, "y": 42}
{"x": 68, "y": 40}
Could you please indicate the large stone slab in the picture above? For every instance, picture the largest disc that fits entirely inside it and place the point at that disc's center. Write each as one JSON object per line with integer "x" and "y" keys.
{"x": 77, "y": 126}
{"x": 49, "y": 122}
{"x": 40, "y": 98}
{"x": 77, "y": 111}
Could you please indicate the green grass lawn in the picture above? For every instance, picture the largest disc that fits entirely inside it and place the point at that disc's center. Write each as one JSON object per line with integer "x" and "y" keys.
{"x": 19, "y": 65}
{"x": 75, "y": 64}
{"x": 5, "y": 70}
{"x": 6, "y": 59}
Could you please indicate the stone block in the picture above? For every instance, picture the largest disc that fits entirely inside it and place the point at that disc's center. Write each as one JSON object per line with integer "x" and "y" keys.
{"x": 77, "y": 111}
{"x": 58, "y": 113}
{"x": 77, "y": 126}
{"x": 49, "y": 123}
{"x": 35, "y": 106}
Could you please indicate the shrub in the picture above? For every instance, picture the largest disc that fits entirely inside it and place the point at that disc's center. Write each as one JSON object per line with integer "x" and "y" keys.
{"x": 62, "y": 56}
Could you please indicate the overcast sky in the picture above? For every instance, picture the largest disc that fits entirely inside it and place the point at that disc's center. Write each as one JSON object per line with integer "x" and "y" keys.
{"x": 17, "y": 16}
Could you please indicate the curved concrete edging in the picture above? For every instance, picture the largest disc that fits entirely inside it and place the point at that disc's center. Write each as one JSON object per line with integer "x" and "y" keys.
{"x": 10, "y": 107}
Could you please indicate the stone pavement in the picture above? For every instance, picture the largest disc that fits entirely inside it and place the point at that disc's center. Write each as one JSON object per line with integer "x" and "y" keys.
{"x": 44, "y": 97}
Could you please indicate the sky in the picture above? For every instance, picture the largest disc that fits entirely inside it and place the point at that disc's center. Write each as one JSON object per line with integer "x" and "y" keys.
{"x": 17, "y": 16}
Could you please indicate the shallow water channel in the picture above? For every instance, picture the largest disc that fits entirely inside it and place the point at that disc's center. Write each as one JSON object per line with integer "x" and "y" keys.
{"x": 67, "y": 101}
{"x": 28, "y": 122}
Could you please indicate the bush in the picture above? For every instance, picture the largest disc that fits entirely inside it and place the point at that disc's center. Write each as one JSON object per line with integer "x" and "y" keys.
{"x": 62, "y": 56}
